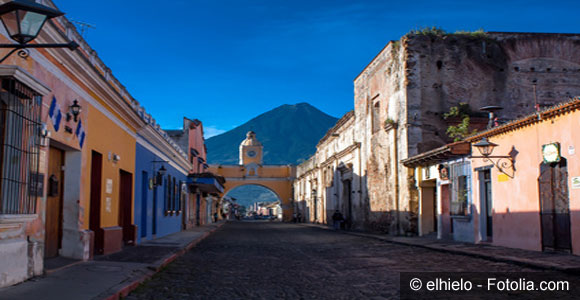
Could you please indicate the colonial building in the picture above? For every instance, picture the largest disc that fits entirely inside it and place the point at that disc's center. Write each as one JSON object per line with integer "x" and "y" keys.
{"x": 513, "y": 185}
{"x": 329, "y": 180}
{"x": 401, "y": 96}
{"x": 161, "y": 169}
{"x": 69, "y": 159}
{"x": 203, "y": 203}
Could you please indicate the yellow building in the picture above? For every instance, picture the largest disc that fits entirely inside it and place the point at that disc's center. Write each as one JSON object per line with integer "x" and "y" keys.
{"x": 252, "y": 171}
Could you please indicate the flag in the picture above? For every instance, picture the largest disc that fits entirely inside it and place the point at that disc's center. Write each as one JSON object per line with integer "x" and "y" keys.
{"x": 80, "y": 133}
{"x": 55, "y": 114}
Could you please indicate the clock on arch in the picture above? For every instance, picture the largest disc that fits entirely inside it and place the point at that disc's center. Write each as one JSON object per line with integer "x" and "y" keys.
{"x": 251, "y": 153}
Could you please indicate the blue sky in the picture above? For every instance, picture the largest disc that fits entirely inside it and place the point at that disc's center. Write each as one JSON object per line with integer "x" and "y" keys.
{"x": 225, "y": 62}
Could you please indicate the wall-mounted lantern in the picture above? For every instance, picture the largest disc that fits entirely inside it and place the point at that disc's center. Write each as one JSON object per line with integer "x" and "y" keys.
{"x": 157, "y": 178}
{"x": 23, "y": 20}
{"x": 504, "y": 164}
{"x": 75, "y": 110}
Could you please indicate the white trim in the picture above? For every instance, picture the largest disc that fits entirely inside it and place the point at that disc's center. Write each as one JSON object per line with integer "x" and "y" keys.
{"x": 151, "y": 148}
{"x": 11, "y": 219}
{"x": 21, "y": 75}
{"x": 55, "y": 71}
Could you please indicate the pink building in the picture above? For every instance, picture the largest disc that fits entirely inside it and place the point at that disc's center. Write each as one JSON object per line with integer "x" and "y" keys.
{"x": 523, "y": 194}
{"x": 533, "y": 205}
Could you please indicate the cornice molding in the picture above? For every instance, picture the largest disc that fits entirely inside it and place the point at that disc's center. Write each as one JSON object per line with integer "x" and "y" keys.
{"x": 24, "y": 77}
{"x": 150, "y": 135}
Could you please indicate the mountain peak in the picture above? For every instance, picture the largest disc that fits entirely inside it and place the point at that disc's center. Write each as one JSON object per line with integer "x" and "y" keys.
{"x": 289, "y": 134}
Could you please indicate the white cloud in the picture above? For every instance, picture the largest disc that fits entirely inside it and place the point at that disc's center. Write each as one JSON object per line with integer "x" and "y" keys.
{"x": 209, "y": 131}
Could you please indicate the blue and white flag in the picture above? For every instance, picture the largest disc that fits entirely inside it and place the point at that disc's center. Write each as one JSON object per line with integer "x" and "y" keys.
{"x": 80, "y": 133}
{"x": 55, "y": 114}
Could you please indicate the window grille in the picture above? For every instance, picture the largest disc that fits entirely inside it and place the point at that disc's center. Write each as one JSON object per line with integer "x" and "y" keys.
{"x": 19, "y": 150}
{"x": 460, "y": 174}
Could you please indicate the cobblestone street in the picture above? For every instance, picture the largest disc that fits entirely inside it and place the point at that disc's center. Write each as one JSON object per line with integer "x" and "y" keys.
{"x": 264, "y": 260}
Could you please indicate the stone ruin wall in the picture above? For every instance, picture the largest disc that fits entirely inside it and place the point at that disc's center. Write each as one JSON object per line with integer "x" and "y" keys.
{"x": 427, "y": 75}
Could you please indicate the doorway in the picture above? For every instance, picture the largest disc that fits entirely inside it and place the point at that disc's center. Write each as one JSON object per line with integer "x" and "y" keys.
{"x": 555, "y": 206}
{"x": 347, "y": 195}
{"x": 315, "y": 206}
{"x": 54, "y": 203}
{"x": 126, "y": 207}
{"x": 486, "y": 205}
{"x": 197, "y": 209}
{"x": 95, "y": 198}
{"x": 144, "y": 192}
{"x": 428, "y": 218}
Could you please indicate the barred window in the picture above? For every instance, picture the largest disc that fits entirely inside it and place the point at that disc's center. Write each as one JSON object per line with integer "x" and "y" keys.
{"x": 460, "y": 174}
{"x": 19, "y": 149}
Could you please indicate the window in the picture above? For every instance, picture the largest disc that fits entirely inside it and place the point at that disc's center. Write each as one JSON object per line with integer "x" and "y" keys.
{"x": 168, "y": 195}
{"x": 19, "y": 147}
{"x": 174, "y": 199}
{"x": 376, "y": 116}
{"x": 173, "y": 195}
{"x": 461, "y": 188}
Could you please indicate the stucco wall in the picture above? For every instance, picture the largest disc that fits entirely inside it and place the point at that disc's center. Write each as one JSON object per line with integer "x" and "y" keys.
{"x": 144, "y": 205}
{"x": 516, "y": 202}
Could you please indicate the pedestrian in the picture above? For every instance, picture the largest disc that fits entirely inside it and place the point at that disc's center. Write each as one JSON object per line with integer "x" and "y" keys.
{"x": 337, "y": 219}
{"x": 294, "y": 218}
{"x": 215, "y": 217}
{"x": 299, "y": 217}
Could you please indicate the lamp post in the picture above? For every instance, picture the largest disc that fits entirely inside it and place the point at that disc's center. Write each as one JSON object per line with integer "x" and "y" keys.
{"x": 503, "y": 163}
{"x": 23, "y": 20}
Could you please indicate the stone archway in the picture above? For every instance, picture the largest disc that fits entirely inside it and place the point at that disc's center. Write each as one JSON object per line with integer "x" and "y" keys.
{"x": 277, "y": 179}
{"x": 251, "y": 170}
{"x": 248, "y": 194}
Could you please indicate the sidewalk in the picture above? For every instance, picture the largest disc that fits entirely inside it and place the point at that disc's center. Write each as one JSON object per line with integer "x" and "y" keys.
{"x": 554, "y": 261}
{"x": 110, "y": 276}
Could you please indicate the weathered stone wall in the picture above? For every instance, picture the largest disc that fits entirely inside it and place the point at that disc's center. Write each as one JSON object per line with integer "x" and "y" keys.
{"x": 414, "y": 81}
{"x": 381, "y": 87}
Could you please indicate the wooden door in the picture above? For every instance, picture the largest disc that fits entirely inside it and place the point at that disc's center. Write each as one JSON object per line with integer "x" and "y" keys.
{"x": 95, "y": 207}
{"x": 555, "y": 206}
{"x": 53, "y": 238}
{"x": 126, "y": 206}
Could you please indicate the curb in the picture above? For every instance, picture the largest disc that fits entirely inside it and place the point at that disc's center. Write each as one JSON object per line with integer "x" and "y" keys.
{"x": 128, "y": 288}
{"x": 512, "y": 260}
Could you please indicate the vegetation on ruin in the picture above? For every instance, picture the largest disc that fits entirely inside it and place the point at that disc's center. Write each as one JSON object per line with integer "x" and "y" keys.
{"x": 435, "y": 31}
{"x": 460, "y": 131}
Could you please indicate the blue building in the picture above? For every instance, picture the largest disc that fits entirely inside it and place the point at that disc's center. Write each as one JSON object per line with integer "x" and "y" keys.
{"x": 161, "y": 194}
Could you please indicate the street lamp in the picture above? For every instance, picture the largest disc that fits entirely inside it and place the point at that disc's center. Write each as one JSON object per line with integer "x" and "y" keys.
{"x": 502, "y": 163}
{"x": 485, "y": 147}
{"x": 23, "y": 20}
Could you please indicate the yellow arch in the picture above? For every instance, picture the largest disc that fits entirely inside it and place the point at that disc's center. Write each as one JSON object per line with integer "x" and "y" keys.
{"x": 278, "y": 179}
